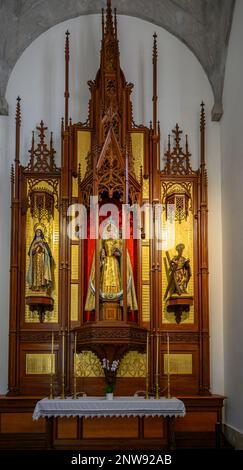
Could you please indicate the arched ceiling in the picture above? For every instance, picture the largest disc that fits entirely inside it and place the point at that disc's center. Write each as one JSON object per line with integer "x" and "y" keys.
{"x": 203, "y": 25}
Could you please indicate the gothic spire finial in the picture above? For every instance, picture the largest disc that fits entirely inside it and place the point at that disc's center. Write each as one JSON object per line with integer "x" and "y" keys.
{"x": 203, "y": 118}
{"x": 155, "y": 48}
{"x": 109, "y": 28}
{"x": 18, "y": 111}
{"x": 155, "y": 96}
{"x": 66, "y": 92}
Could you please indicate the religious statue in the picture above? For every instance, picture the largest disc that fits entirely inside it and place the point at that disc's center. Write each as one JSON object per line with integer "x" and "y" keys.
{"x": 179, "y": 273}
{"x": 39, "y": 276}
{"x": 111, "y": 255}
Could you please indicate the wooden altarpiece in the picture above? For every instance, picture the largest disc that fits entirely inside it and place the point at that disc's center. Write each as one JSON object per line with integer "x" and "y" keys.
{"x": 112, "y": 158}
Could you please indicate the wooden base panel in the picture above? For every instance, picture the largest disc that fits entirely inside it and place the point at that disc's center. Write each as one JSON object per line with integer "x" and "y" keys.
{"x": 198, "y": 429}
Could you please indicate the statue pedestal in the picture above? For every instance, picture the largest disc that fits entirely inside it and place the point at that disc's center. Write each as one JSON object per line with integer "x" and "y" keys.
{"x": 111, "y": 311}
{"x": 41, "y": 304}
{"x": 178, "y": 305}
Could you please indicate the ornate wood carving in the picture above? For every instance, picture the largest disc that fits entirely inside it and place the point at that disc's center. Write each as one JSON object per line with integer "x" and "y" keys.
{"x": 109, "y": 173}
{"x": 42, "y": 158}
{"x": 177, "y": 160}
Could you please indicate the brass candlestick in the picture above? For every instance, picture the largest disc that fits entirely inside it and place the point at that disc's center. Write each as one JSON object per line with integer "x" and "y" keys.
{"x": 168, "y": 366}
{"x": 157, "y": 367}
{"x": 52, "y": 368}
{"x": 147, "y": 367}
{"x": 63, "y": 366}
{"x": 75, "y": 367}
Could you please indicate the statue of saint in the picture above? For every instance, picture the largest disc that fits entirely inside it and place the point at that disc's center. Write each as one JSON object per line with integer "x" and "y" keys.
{"x": 111, "y": 272}
{"x": 39, "y": 276}
{"x": 179, "y": 273}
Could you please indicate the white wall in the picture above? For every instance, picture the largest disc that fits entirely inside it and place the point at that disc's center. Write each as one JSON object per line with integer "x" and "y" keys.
{"x": 38, "y": 78}
{"x": 4, "y": 250}
{"x": 232, "y": 200}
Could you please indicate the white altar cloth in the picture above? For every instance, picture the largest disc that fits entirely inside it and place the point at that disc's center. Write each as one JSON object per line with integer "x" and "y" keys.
{"x": 95, "y": 407}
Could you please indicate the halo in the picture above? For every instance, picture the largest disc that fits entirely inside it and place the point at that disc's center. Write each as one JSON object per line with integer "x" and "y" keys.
{"x": 40, "y": 226}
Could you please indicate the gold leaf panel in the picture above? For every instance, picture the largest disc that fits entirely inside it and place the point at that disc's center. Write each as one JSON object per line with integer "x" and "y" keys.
{"x": 75, "y": 262}
{"x": 88, "y": 365}
{"x": 145, "y": 263}
{"x": 146, "y": 188}
{"x": 177, "y": 232}
{"x": 138, "y": 152}
{"x": 75, "y": 187}
{"x": 180, "y": 364}
{"x": 145, "y": 303}
{"x": 74, "y": 302}
{"x": 39, "y": 364}
{"x": 52, "y": 237}
{"x": 132, "y": 365}
{"x": 83, "y": 148}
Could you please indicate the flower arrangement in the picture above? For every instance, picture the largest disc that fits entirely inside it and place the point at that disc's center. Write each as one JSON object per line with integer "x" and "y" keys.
{"x": 110, "y": 374}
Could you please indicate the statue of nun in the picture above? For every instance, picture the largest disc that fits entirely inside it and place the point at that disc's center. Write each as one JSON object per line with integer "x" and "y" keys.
{"x": 39, "y": 276}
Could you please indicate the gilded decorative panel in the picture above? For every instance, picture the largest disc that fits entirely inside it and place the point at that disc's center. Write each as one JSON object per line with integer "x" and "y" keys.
{"x": 145, "y": 188}
{"x": 51, "y": 231}
{"x": 132, "y": 365}
{"x": 88, "y": 365}
{"x": 74, "y": 302}
{"x": 74, "y": 262}
{"x": 145, "y": 262}
{"x": 138, "y": 152}
{"x": 39, "y": 364}
{"x": 75, "y": 187}
{"x": 145, "y": 303}
{"x": 83, "y": 148}
{"x": 179, "y": 364}
{"x": 174, "y": 232}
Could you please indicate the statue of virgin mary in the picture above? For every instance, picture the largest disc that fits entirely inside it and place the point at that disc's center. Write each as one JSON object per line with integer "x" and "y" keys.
{"x": 111, "y": 271}
{"x": 39, "y": 276}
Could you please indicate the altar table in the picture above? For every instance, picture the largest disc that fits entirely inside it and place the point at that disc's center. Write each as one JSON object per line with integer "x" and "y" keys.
{"x": 127, "y": 418}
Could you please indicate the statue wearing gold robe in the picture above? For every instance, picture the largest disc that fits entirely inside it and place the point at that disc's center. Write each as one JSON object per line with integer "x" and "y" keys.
{"x": 111, "y": 260}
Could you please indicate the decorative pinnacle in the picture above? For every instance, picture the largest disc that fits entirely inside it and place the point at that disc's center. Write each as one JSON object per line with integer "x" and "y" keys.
{"x": 115, "y": 22}
{"x": 18, "y": 112}
{"x": 155, "y": 48}
{"x": 187, "y": 147}
{"x": 103, "y": 23}
{"x": 109, "y": 18}
{"x": 169, "y": 145}
{"x": 177, "y": 132}
{"x": 33, "y": 141}
{"x": 51, "y": 140}
{"x": 203, "y": 117}
{"x": 12, "y": 174}
{"x": 67, "y": 44}
{"x": 41, "y": 128}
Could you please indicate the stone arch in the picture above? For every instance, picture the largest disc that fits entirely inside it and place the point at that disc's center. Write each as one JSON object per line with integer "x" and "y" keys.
{"x": 194, "y": 22}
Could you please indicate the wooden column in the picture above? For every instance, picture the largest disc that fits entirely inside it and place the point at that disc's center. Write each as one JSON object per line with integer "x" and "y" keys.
{"x": 13, "y": 369}
{"x": 204, "y": 301}
{"x": 97, "y": 242}
{"x": 124, "y": 246}
{"x": 66, "y": 93}
{"x": 155, "y": 290}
